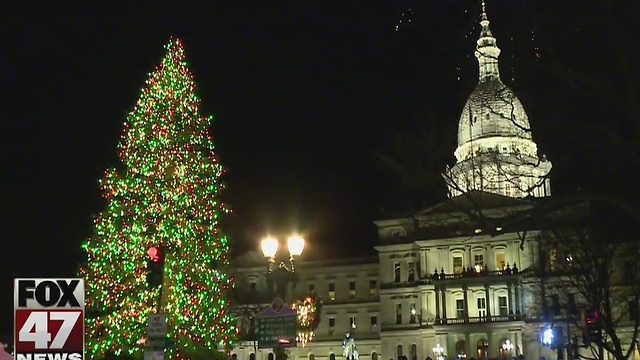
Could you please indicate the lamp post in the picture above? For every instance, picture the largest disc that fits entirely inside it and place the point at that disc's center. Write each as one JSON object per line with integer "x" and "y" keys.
{"x": 438, "y": 351}
{"x": 282, "y": 276}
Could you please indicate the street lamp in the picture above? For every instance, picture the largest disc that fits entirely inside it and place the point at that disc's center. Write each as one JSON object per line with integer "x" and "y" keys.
{"x": 438, "y": 351}
{"x": 283, "y": 275}
{"x": 507, "y": 346}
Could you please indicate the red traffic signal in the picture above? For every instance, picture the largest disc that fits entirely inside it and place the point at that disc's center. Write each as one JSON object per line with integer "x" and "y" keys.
{"x": 591, "y": 326}
{"x": 155, "y": 266}
{"x": 155, "y": 253}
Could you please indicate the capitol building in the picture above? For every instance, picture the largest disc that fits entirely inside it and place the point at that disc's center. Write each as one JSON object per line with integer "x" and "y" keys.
{"x": 456, "y": 280}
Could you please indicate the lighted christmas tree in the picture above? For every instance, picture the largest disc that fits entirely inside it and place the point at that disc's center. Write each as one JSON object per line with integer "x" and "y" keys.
{"x": 165, "y": 194}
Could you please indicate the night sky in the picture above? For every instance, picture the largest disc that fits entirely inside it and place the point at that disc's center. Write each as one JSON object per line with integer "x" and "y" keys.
{"x": 304, "y": 94}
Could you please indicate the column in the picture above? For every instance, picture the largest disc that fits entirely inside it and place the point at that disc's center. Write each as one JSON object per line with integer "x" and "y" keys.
{"x": 424, "y": 270}
{"x": 493, "y": 351}
{"x": 490, "y": 258}
{"x": 465, "y": 292}
{"x": 510, "y": 298}
{"x": 517, "y": 302}
{"x": 444, "y": 302}
{"x": 437, "y": 292}
{"x": 518, "y": 343}
{"x": 487, "y": 299}
{"x": 467, "y": 343}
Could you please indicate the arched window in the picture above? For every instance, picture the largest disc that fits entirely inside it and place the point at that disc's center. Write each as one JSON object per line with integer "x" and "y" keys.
{"x": 461, "y": 349}
{"x": 483, "y": 349}
{"x": 312, "y": 357}
{"x": 332, "y": 357}
{"x": 234, "y": 357}
{"x": 374, "y": 356}
{"x": 505, "y": 349}
{"x": 252, "y": 356}
{"x": 399, "y": 352}
{"x": 270, "y": 356}
{"x": 414, "y": 352}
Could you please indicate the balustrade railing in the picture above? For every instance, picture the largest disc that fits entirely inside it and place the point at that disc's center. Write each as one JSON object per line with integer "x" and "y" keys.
{"x": 479, "y": 319}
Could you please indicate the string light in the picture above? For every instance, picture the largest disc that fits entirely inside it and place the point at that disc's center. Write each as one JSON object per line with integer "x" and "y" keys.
{"x": 167, "y": 193}
{"x": 536, "y": 49}
{"x": 473, "y": 29}
{"x": 405, "y": 18}
{"x": 308, "y": 308}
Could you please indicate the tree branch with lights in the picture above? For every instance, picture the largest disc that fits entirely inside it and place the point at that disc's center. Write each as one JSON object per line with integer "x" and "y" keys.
{"x": 308, "y": 305}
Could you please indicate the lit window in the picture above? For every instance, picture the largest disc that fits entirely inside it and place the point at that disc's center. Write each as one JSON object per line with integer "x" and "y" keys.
{"x": 482, "y": 307}
{"x": 460, "y": 308}
{"x": 373, "y": 288}
{"x": 413, "y": 314}
{"x": 396, "y": 272}
{"x": 352, "y": 289}
{"x": 332, "y": 326}
{"x": 457, "y": 265}
{"x": 502, "y": 306}
{"x": 478, "y": 262}
{"x": 411, "y": 271}
{"x": 501, "y": 261}
{"x": 332, "y": 291}
{"x": 374, "y": 323}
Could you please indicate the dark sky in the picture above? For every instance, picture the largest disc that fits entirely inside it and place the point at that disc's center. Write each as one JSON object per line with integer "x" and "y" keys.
{"x": 303, "y": 94}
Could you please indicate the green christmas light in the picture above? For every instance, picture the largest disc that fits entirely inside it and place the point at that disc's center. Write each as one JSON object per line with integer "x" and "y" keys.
{"x": 166, "y": 193}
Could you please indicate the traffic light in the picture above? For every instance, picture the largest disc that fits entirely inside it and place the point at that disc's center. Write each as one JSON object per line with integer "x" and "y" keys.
{"x": 155, "y": 266}
{"x": 591, "y": 327}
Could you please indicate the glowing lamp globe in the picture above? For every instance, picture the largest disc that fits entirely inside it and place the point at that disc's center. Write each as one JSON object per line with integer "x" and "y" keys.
{"x": 547, "y": 336}
{"x": 296, "y": 245}
{"x": 269, "y": 247}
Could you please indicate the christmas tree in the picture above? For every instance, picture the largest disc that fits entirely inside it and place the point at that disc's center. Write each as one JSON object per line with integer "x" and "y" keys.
{"x": 165, "y": 195}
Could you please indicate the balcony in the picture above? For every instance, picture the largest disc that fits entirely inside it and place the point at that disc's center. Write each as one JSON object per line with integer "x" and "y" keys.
{"x": 405, "y": 284}
{"x": 479, "y": 319}
{"x": 471, "y": 276}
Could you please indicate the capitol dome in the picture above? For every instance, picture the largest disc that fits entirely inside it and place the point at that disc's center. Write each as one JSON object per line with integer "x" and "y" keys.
{"x": 496, "y": 152}
{"x": 492, "y": 110}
